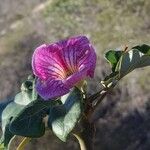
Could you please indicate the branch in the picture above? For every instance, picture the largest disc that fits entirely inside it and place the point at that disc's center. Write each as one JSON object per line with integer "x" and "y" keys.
{"x": 94, "y": 102}
{"x": 81, "y": 141}
{"x": 23, "y": 143}
{"x": 86, "y": 134}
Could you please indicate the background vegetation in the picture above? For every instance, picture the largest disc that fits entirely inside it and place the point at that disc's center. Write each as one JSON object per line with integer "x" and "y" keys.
{"x": 124, "y": 122}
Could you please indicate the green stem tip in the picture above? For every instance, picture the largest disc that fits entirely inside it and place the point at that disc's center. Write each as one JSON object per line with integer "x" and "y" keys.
{"x": 23, "y": 143}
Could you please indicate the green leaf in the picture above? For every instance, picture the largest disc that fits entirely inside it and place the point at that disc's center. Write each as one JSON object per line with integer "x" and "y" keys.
{"x": 10, "y": 110}
{"x": 62, "y": 119}
{"x": 113, "y": 57}
{"x": 3, "y": 105}
{"x": 24, "y": 116}
{"x": 131, "y": 60}
{"x": 8, "y": 113}
{"x": 6, "y": 139}
{"x": 27, "y": 94}
{"x": 29, "y": 122}
{"x": 125, "y": 62}
{"x": 145, "y": 49}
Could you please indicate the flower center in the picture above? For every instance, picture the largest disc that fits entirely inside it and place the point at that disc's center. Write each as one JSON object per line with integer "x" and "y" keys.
{"x": 71, "y": 71}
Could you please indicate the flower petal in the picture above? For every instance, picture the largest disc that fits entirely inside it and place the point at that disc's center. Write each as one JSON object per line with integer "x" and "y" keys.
{"x": 78, "y": 53}
{"x": 88, "y": 61}
{"x": 46, "y": 62}
{"x": 51, "y": 88}
{"x": 75, "y": 50}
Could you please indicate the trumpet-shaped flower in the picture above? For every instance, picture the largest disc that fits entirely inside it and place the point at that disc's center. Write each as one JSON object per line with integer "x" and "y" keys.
{"x": 60, "y": 66}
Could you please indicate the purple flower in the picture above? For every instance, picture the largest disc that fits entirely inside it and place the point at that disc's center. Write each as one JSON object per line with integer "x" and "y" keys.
{"x": 61, "y": 65}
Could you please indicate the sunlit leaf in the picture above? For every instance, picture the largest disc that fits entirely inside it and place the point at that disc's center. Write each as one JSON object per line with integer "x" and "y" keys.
{"x": 62, "y": 119}
{"x": 27, "y": 94}
{"x": 131, "y": 60}
{"x": 113, "y": 57}
{"x": 9, "y": 110}
{"x": 125, "y": 62}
